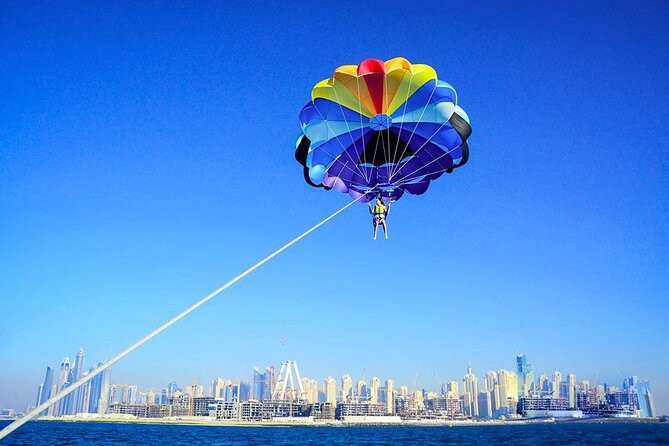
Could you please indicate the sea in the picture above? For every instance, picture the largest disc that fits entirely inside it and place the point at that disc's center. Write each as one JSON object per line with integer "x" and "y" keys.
{"x": 91, "y": 433}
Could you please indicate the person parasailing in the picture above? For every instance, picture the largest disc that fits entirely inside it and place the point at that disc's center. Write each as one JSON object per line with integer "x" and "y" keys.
{"x": 379, "y": 214}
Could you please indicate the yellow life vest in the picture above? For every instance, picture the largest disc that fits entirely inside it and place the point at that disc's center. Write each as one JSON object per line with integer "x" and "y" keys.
{"x": 379, "y": 209}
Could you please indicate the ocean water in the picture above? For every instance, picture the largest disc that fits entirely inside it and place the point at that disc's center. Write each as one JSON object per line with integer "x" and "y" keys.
{"x": 90, "y": 433}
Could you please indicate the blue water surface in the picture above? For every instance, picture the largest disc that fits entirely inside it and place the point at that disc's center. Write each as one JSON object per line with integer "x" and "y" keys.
{"x": 92, "y": 433}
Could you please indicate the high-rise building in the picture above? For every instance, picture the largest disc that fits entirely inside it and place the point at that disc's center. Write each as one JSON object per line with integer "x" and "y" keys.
{"x": 452, "y": 387}
{"x": 485, "y": 404}
{"x": 644, "y": 398}
{"x": 470, "y": 393}
{"x": 404, "y": 391}
{"x": 217, "y": 388}
{"x": 270, "y": 379}
{"x": 132, "y": 395}
{"x": 557, "y": 379}
{"x": 491, "y": 385}
{"x": 346, "y": 388}
{"x": 374, "y": 390}
{"x": 390, "y": 396}
{"x": 40, "y": 392}
{"x": 258, "y": 388}
{"x": 99, "y": 397}
{"x": 310, "y": 387}
{"x": 508, "y": 388}
{"x": 75, "y": 399}
{"x": 44, "y": 392}
{"x": 571, "y": 390}
{"x": 525, "y": 375}
{"x": 361, "y": 391}
{"x": 194, "y": 390}
{"x": 331, "y": 391}
{"x": 172, "y": 389}
{"x": 60, "y": 408}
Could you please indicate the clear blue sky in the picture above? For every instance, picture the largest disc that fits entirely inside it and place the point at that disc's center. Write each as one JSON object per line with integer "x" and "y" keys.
{"x": 146, "y": 156}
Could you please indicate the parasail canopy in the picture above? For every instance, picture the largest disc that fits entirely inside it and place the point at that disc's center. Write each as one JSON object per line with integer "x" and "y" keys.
{"x": 381, "y": 128}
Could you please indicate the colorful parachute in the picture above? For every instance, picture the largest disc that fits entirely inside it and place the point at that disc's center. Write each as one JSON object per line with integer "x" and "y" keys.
{"x": 381, "y": 128}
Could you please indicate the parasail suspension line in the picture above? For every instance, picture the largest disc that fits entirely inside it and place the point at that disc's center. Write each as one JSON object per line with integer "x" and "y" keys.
{"x": 51, "y": 401}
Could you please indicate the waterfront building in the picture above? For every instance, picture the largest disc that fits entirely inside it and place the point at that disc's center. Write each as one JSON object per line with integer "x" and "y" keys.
{"x": 358, "y": 409}
{"x": 446, "y": 406}
{"x": 538, "y": 407}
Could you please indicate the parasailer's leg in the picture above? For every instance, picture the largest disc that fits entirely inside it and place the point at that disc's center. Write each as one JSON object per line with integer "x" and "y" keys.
{"x": 385, "y": 229}
{"x": 376, "y": 227}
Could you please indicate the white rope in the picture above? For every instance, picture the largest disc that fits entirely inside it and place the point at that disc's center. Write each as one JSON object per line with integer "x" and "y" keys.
{"x": 48, "y": 403}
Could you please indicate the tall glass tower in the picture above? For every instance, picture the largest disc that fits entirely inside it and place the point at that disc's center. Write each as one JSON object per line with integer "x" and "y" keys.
{"x": 525, "y": 375}
{"x": 645, "y": 398}
{"x": 258, "y": 384}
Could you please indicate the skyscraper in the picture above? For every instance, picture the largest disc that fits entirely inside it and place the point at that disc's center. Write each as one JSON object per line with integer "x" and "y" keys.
{"x": 258, "y": 389}
{"x": 331, "y": 390}
{"x": 452, "y": 387}
{"x": 525, "y": 375}
{"x": 390, "y": 396}
{"x": 45, "y": 389}
{"x": 310, "y": 387}
{"x": 171, "y": 389}
{"x": 75, "y": 402}
{"x": 491, "y": 385}
{"x": 217, "y": 388}
{"x": 645, "y": 398}
{"x": 571, "y": 390}
{"x": 544, "y": 385}
{"x": 470, "y": 393}
{"x": 60, "y": 408}
{"x": 361, "y": 391}
{"x": 508, "y": 388}
{"x": 557, "y": 379}
{"x": 346, "y": 388}
{"x": 374, "y": 390}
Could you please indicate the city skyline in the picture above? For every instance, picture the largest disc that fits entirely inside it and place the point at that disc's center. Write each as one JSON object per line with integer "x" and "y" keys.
{"x": 484, "y": 398}
{"x": 147, "y": 156}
